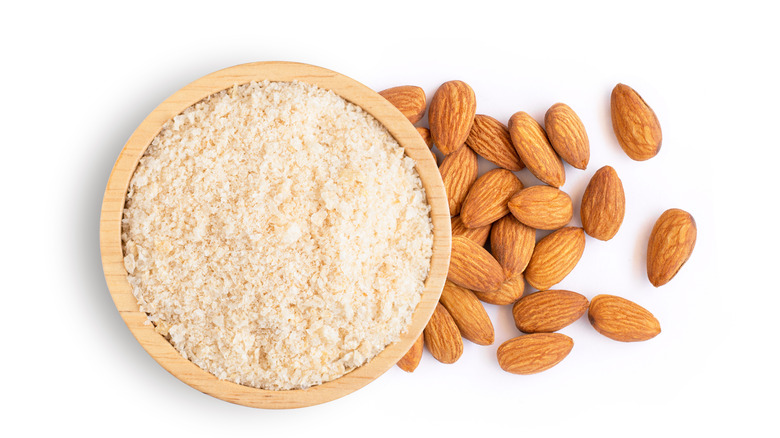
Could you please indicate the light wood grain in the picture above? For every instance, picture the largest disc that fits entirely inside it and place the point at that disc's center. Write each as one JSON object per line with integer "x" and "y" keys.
{"x": 114, "y": 199}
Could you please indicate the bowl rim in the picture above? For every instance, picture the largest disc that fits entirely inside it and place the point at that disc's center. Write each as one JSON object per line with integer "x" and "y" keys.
{"x": 114, "y": 200}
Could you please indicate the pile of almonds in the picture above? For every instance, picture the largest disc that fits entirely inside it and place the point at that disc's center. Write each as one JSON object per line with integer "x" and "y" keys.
{"x": 498, "y": 207}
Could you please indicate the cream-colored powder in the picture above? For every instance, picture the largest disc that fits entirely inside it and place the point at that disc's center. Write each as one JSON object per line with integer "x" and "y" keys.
{"x": 277, "y": 235}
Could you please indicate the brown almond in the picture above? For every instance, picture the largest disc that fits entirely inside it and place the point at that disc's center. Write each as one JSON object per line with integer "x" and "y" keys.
{"x": 425, "y": 133}
{"x": 622, "y": 320}
{"x": 554, "y": 257}
{"x": 635, "y": 124}
{"x": 512, "y": 244}
{"x": 472, "y": 267}
{"x": 510, "y": 291}
{"x": 603, "y": 204}
{"x": 490, "y": 139}
{"x": 458, "y": 171}
{"x": 670, "y": 246}
{"x": 468, "y": 313}
{"x": 451, "y": 115}
{"x": 412, "y": 357}
{"x": 487, "y": 199}
{"x": 442, "y": 336}
{"x": 542, "y": 207}
{"x": 548, "y": 311}
{"x": 410, "y": 100}
{"x": 531, "y": 354}
{"x": 534, "y": 149}
{"x": 478, "y": 235}
{"x": 567, "y": 135}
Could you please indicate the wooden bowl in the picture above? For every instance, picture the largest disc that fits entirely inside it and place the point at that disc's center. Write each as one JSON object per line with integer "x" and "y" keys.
{"x": 114, "y": 200}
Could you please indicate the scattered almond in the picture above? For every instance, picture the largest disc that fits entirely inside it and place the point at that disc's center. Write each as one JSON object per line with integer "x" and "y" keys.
{"x": 542, "y": 207}
{"x": 554, "y": 257}
{"x": 531, "y": 354}
{"x": 472, "y": 267}
{"x": 487, "y": 199}
{"x": 478, "y": 235}
{"x": 425, "y": 133}
{"x": 468, "y": 313}
{"x": 490, "y": 139}
{"x": 622, "y": 320}
{"x": 458, "y": 171}
{"x": 412, "y": 357}
{"x": 442, "y": 336}
{"x": 567, "y": 135}
{"x": 635, "y": 124}
{"x": 410, "y": 100}
{"x": 548, "y": 311}
{"x": 510, "y": 291}
{"x": 451, "y": 115}
{"x": 512, "y": 244}
{"x": 534, "y": 149}
{"x": 670, "y": 246}
{"x": 603, "y": 204}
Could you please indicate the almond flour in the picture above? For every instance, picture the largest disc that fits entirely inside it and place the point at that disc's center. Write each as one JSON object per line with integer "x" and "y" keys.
{"x": 277, "y": 235}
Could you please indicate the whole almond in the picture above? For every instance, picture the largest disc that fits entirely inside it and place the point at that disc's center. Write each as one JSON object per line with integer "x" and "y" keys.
{"x": 478, "y": 235}
{"x": 472, "y": 267}
{"x": 622, "y": 320}
{"x": 425, "y": 133}
{"x": 510, "y": 291}
{"x": 542, "y": 207}
{"x": 490, "y": 139}
{"x": 534, "y": 149}
{"x": 487, "y": 199}
{"x": 554, "y": 257}
{"x": 451, "y": 115}
{"x": 512, "y": 244}
{"x": 603, "y": 204}
{"x": 468, "y": 313}
{"x": 567, "y": 135}
{"x": 412, "y": 357}
{"x": 531, "y": 354}
{"x": 410, "y": 100}
{"x": 670, "y": 246}
{"x": 458, "y": 171}
{"x": 548, "y": 311}
{"x": 442, "y": 336}
{"x": 635, "y": 124}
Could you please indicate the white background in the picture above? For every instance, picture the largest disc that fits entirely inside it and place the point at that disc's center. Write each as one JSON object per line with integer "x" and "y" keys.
{"x": 79, "y": 77}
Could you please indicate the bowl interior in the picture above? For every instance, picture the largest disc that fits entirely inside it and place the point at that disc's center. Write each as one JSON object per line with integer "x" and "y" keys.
{"x": 114, "y": 199}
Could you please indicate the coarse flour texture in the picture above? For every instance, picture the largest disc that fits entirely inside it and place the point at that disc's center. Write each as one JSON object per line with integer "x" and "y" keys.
{"x": 277, "y": 235}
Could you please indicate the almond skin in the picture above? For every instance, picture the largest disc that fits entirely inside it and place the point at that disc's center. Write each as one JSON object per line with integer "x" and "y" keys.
{"x": 412, "y": 357}
{"x": 472, "y": 267}
{"x": 410, "y": 100}
{"x": 510, "y": 291}
{"x": 442, "y": 336}
{"x": 425, "y": 133}
{"x": 458, "y": 171}
{"x": 534, "y": 149}
{"x": 490, "y": 139}
{"x": 567, "y": 135}
{"x": 531, "y": 354}
{"x": 542, "y": 207}
{"x": 622, "y": 320}
{"x": 451, "y": 115}
{"x": 548, "y": 311}
{"x": 670, "y": 246}
{"x": 554, "y": 257}
{"x": 635, "y": 124}
{"x": 603, "y": 204}
{"x": 468, "y": 313}
{"x": 512, "y": 244}
{"x": 487, "y": 199}
{"x": 478, "y": 235}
